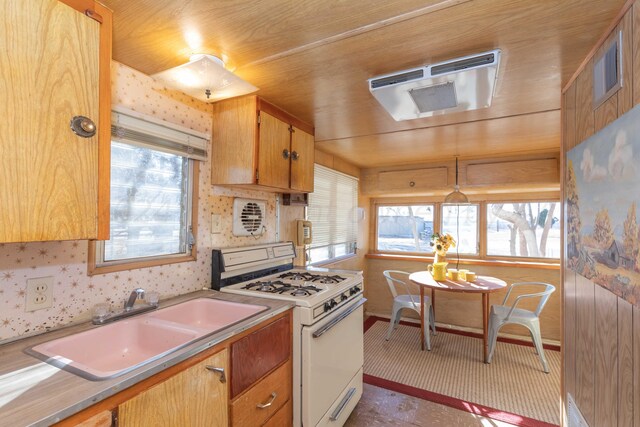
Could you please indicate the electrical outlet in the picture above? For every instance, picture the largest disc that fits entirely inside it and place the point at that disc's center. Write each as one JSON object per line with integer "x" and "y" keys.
{"x": 216, "y": 226}
{"x": 39, "y": 293}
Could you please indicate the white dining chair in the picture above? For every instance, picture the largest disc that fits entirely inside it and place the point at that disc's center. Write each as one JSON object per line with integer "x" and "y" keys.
{"x": 505, "y": 314}
{"x": 407, "y": 300}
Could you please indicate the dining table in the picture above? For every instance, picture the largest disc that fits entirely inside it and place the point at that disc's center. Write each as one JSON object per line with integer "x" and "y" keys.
{"x": 483, "y": 285}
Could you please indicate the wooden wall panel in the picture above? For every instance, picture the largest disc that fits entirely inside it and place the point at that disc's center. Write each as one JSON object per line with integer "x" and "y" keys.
{"x": 606, "y": 357}
{"x": 464, "y": 309}
{"x": 605, "y": 113}
{"x": 569, "y": 341}
{"x": 569, "y": 118}
{"x": 584, "y": 104}
{"x": 636, "y": 53}
{"x": 625, "y": 364}
{"x": 625, "y": 94}
{"x": 585, "y": 354}
{"x": 636, "y": 366}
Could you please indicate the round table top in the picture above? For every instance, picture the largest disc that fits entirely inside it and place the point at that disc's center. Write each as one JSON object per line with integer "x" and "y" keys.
{"x": 480, "y": 285}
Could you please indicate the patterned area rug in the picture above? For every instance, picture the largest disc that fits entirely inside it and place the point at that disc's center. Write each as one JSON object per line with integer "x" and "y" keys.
{"x": 513, "y": 388}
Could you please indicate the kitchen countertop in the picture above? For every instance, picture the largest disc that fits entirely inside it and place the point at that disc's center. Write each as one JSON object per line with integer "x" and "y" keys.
{"x": 34, "y": 393}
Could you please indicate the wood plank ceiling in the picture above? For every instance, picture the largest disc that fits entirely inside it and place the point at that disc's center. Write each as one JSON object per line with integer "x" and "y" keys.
{"x": 313, "y": 59}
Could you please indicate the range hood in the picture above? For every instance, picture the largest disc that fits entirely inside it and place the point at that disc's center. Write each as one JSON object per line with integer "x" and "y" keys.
{"x": 461, "y": 84}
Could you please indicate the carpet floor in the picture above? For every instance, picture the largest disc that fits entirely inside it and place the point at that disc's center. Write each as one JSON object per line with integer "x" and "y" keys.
{"x": 513, "y": 388}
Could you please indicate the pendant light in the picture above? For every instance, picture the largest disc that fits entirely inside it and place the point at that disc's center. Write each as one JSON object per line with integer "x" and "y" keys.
{"x": 456, "y": 197}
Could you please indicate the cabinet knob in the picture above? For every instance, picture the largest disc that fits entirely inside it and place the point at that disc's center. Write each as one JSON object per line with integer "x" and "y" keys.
{"x": 223, "y": 377}
{"x": 412, "y": 184}
{"x": 83, "y": 126}
{"x": 286, "y": 153}
{"x": 268, "y": 403}
{"x": 295, "y": 155}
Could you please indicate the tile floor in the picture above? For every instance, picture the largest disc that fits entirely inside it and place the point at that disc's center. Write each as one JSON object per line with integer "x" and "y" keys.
{"x": 384, "y": 408}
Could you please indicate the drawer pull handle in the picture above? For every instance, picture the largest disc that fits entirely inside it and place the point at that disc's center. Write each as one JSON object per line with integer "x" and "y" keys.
{"x": 269, "y": 403}
{"x": 223, "y": 377}
{"x": 343, "y": 404}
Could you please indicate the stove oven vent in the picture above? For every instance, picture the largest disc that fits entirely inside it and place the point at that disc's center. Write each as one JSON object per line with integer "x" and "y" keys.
{"x": 249, "y": 217}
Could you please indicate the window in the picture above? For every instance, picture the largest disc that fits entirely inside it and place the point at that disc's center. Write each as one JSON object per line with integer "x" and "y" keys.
{"x": 152, "y": 189}
{"x": 333, "y": 212}
{"x": 406, "y": 228}
{"x": 527, "y": 229}
{"x": 461, "y": 221}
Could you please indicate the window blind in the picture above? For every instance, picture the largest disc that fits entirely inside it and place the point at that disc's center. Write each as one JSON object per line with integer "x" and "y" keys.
{"x": 333, "y": 208}
{"x": 137, "y": 129}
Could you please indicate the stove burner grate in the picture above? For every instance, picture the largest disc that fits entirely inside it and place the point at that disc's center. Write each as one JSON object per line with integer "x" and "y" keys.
{"x": 328, "y": 279}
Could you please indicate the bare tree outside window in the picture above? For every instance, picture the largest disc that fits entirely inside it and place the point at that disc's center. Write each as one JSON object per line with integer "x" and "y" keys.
{"x": 527, "y": 229}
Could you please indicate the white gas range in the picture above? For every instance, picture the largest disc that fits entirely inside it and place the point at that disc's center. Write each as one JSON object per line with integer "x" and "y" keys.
{"x": 327, "y": 324}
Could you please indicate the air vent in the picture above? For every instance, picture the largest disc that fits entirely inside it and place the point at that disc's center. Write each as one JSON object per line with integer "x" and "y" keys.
{"x": 463, "y": 64}
{"x": 248, "y": 217}
{"x": 434, "y": 98}
{"x": 398, "y": 78}
{"x": 607, "y": 72}
{"x": 460, "y": 84}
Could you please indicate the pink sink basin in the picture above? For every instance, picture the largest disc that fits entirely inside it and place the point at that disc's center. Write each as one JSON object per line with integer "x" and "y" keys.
{"x": 115, "y": 348}
{"x": 207, "y": 314}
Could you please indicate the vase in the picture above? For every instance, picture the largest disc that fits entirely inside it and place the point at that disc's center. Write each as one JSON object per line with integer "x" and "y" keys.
{"x": 439, "y": 258}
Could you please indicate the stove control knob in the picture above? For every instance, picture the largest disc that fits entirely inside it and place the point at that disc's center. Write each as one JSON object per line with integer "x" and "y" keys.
{"x": 327, "y": 307}
{"x": 344, "y": 296}
{"x": 333, "y": 303}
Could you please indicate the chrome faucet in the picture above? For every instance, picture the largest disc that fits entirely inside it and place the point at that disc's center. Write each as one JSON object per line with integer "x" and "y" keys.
{"x": 135, "y": 294}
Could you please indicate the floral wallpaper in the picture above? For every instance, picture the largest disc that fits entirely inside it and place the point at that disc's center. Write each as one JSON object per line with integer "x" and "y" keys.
{"x": 75, "y": 293}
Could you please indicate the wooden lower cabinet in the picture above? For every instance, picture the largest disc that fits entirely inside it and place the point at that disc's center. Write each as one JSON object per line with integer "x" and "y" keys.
{"x": 256, "y": 363}
{"x": 194, "y": 397}
{"x": 262, "y": 401}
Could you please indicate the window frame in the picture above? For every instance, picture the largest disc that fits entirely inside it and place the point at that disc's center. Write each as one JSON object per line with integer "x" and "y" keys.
{"x": 453, "y": 251}
{"x": 519, "y": 258}
{"x": 436, "y": 226}
{"x": 482, "y": 225}
{"x": 331, "y": 246}
{"x": 94, "y": 268}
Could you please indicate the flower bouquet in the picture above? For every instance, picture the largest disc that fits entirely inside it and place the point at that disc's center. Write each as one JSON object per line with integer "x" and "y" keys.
{"x": 441, "y": 244}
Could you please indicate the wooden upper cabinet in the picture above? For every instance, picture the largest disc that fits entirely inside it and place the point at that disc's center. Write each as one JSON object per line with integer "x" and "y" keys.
{"x": 54, "y": 66}
{"x": 273, "y": 152}
{"x": 196, "y": 396}
{"x": 302, "y": 159}
{"x": 254, "y": 144}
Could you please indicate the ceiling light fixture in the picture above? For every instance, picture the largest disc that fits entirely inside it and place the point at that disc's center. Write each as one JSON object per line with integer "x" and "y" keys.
{"x": 456, "y": 197}
{"x": 205, "y": 78}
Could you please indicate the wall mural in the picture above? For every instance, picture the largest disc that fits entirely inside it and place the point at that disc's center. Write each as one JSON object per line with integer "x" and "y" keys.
{"x": 603, "y": 240}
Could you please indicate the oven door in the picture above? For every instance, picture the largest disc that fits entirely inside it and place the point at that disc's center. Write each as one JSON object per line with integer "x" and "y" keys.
{"x": 332, "y": 357}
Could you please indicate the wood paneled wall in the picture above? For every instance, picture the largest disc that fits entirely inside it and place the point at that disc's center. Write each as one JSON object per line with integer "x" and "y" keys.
{"x": 465, "y": 310}
{"x": 601, "y": 333}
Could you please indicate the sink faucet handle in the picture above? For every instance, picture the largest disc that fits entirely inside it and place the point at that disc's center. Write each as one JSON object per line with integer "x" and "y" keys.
{"x": 135, "y": 294}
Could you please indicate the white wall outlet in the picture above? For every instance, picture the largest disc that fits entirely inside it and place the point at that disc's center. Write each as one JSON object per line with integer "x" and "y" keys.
{"x": 216, "y": 224}
{"x": 39, "y": 293}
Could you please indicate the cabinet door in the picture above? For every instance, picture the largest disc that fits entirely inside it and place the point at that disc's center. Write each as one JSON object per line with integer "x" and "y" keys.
{"x": 194, "y": 397}
{"x": 273, "y": 152}
{"x": 50, "y": 73}
{"x": 302, "y": 157}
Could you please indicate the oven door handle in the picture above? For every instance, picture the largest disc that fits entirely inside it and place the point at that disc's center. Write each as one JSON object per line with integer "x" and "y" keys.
{"x": 338, "y": 319}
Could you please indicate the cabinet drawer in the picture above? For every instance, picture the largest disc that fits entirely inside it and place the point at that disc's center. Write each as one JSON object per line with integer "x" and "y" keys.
{"x": 245, "y": 410}
{"x": 253, "y": 356}
{"x": 282, "y": 418}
